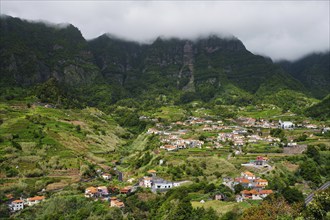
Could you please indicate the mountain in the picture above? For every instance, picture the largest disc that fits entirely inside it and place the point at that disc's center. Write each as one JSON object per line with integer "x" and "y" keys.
{"x": 107, "y": 69}
{"x": 204, "y": 66}
{"x": 312, "y": 71}
{"x": 32, "y": 53}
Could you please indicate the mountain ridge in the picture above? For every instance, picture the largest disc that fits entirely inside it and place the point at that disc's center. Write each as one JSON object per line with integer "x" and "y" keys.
{"x": 33, "y": 53}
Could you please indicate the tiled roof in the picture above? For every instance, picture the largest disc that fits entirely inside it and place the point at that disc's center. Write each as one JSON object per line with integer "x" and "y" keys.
{"x": 91, "y": 189}
{"x": 36, "y": 198}
{"x": 269, "y": 191}
{"x": 248, "y": 173}
{"x": 261, "y": 181}
{"x": 18, "y": 201}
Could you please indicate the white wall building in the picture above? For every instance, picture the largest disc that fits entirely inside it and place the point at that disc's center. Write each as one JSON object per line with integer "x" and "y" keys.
{"x": 17, "y": 205}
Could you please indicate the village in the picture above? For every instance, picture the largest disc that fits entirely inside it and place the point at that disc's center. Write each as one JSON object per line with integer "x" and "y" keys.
{"x": 235, "y": 134}
{"x": 243, "y": 132}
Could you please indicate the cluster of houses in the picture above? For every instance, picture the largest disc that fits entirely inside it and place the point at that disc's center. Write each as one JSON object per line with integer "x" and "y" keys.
{"x": 157, "y": 184}
{"x": 252, "y": 122}
{"x": 103, "y": 193}
{"x": 172, "y": 141}
{"x": 240, "y": 137}
{"x": 19, "y": 204}
{"x": 256, "y": 185}
{"x": 253, "y": 194}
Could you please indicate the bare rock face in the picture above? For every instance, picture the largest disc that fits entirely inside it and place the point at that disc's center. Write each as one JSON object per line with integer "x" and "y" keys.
{"x": 186, "y": 74}
{"x": 188, "y": 53}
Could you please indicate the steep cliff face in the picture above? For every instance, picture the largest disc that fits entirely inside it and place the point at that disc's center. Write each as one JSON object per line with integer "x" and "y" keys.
{"x": 193, "y": 66}
{"x": 31, "y": 53}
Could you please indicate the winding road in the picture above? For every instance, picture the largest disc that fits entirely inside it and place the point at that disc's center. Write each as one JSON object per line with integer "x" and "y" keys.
{"x": 309, "y": 198}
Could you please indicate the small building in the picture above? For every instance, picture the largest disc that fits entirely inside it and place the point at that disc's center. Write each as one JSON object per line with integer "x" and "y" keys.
{"x": 146, "y": 182}
{"x": 126, "y": 190}
{"x": 285, "y": 124}
{"x": 265, "y": 193}
{"x": 114, "y": 202}
{"x": 91, "y": 192}
{"x": 261, "y": 183}
{"x": 219, "y": 197}
{"x": 239, "y": 198}
{"x": 16, "y": 205}
{"x": 152, "y": 172}
{"x": 261, "y": 161}
{"x": 250, "y": 194}
{"x": 35, "y": 200}
{"x": 243, "y": 181}
{"x": 248, "y": 175}
{"x": 106, "y": 176}
{"x": 102, "y": 191}
{"x": 161, "y": 185}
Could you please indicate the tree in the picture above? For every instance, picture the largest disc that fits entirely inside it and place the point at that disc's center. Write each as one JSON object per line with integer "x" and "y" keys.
{"x": 238, "y": 188}
{"x": 277, "y": 132}
{"x": 309, "y": 171}
{"x": 292, "y": 195}
{"x": 209, "y": 188}
{"x": 313, "y": 153}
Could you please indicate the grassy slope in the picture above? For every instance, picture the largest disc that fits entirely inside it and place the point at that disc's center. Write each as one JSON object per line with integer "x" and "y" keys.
{"x": 51, "y": 142}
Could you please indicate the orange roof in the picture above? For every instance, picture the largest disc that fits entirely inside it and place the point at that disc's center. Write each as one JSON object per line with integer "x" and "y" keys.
{"x": 91, "y": 189}
{"x": 248, "y": 173}
{"x": 269, "y": 191}
{"x": 119, "y": 204}
{"x": 254, "y": 192}
{"x": 170, "y": 147}
{"x": 246, "y": 192}
{"x": 261, "y": 181}
{"x": 153, "y": 171}
{"x": 244, "y": 180}
{"x": 36, "y": 198}
{"x": 18, "y": 201}
{"x": 125, "y": 190}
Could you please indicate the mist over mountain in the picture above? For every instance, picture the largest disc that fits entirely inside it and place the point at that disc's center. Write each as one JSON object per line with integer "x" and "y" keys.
{"x": 204, "y": 68}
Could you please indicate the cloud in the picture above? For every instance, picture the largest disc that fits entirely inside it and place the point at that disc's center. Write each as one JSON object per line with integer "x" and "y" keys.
{"x": 279, "y": 29}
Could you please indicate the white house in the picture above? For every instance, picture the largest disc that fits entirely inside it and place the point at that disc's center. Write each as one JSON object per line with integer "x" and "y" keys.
{"x": 285, "y": 124}
{"x": 146, "y": 182}
{"x": 239, "y": 198}
{"x": 161, "y": 185}
{"x": 16, "y": 205}
{"x": 248, "y": 175}
{"x": 35, "y": 200}
{"x": 106, "y": 176}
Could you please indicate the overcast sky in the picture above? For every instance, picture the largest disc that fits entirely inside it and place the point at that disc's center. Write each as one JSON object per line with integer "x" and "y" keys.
{"x": 278, "y": 29}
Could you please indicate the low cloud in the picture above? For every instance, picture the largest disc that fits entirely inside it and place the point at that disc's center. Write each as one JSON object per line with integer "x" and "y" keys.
{"x": 278, "y": 29}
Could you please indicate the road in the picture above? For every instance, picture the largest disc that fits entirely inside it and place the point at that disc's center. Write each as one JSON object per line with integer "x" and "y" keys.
{"x": 309, "y": 198}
